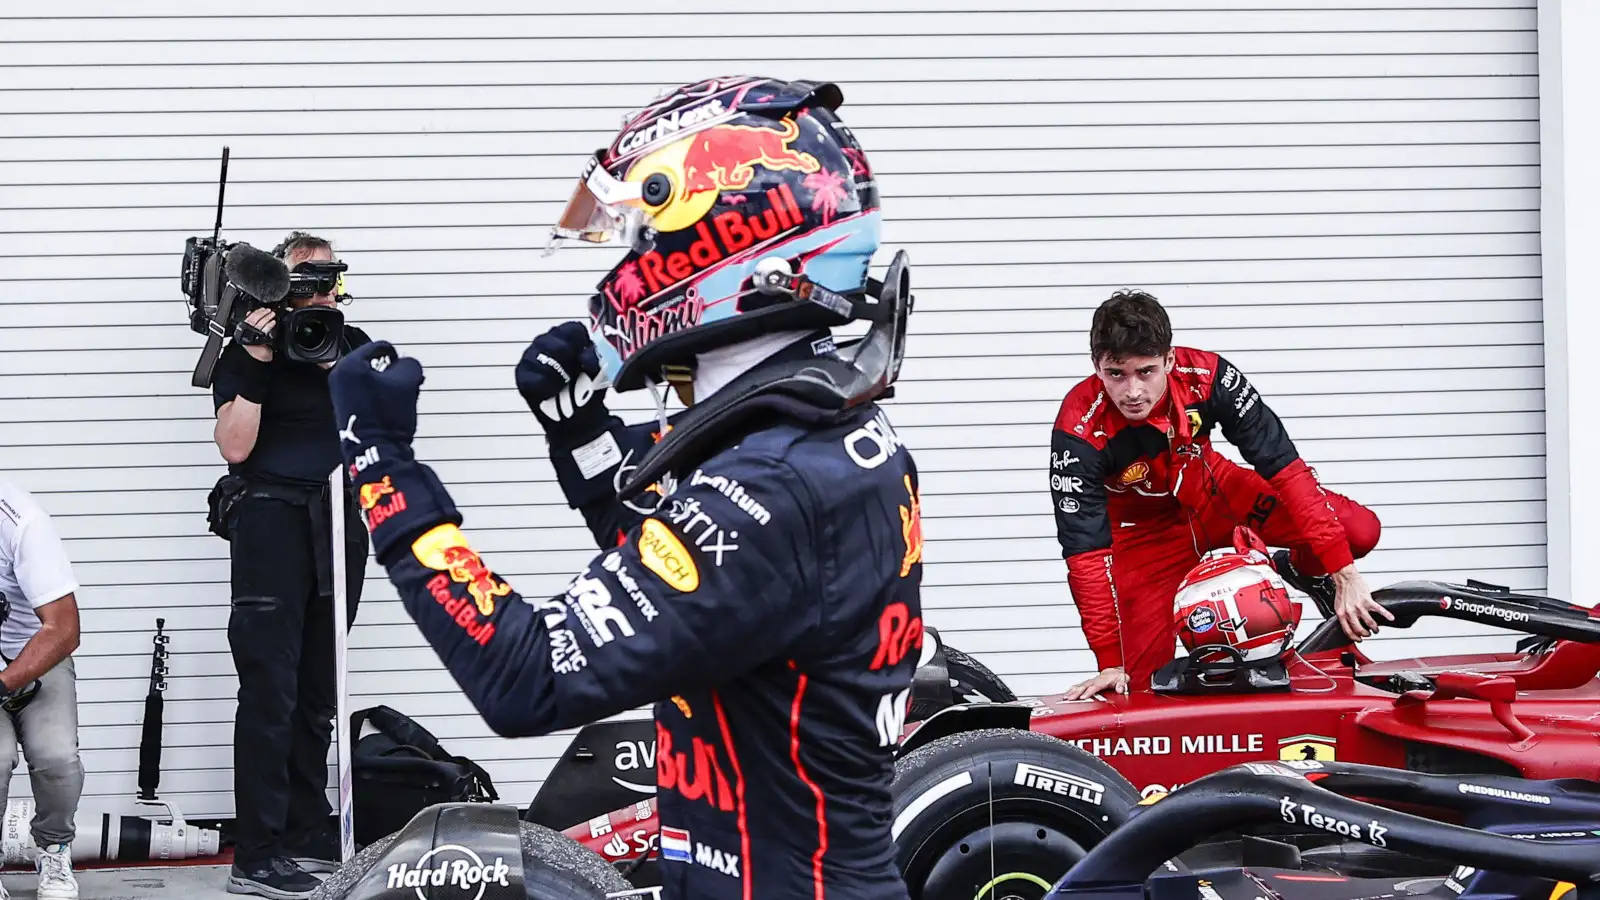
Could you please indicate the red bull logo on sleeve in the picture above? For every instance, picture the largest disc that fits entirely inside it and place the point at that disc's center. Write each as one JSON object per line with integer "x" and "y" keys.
{"x": 460, "y": 610}
{"x": 445, "y": 549}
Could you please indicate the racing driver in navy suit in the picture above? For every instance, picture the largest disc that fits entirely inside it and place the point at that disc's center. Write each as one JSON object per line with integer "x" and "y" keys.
{"x": 767, "y": 597}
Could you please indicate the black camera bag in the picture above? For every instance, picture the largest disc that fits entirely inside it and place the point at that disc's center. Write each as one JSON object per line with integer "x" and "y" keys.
{"x": 220, "y": 503}
{"x": 401, "y": 770}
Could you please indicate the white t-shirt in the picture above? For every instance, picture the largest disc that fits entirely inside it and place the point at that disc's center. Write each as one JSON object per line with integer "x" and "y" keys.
{"x": 34, "y": 570}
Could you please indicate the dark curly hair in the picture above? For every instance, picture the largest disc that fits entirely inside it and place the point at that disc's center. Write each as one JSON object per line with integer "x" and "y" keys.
{"x": 1130, "y": 323}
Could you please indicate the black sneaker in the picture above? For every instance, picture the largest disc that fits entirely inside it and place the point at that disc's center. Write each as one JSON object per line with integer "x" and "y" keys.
{"x": 276, "y": 879}
{"x": 318, "y": 852}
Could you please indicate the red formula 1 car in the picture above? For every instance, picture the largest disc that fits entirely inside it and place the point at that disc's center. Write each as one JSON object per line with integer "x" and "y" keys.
{"x": 1529, "y": 712}
{"x": 1037, "y": 782}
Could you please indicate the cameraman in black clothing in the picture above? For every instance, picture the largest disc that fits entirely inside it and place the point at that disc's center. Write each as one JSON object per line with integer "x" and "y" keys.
{"x": 276, "y": 428}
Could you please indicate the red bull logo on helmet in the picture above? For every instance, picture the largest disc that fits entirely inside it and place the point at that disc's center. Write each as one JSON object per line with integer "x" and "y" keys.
{"x": 726, "y": 234}
{"x": 723, "y": 158}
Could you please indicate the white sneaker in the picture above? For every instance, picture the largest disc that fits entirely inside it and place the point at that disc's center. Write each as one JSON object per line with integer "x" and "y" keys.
{"x": 56, "y": 881}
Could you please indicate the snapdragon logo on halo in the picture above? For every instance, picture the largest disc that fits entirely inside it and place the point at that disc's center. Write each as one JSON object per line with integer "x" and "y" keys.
{"x": 450, "y": 865}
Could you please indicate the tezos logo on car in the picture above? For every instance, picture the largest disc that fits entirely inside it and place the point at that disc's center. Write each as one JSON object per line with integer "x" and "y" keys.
{"x": 1373, "y": 833}
{"x": 450, "y": 865}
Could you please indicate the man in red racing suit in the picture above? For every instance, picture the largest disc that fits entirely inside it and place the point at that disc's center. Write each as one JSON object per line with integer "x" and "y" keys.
{"x": 1140, "y": 494}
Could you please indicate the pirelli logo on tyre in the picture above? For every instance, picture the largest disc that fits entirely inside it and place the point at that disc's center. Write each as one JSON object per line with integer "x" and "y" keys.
{"x": 662, "y": 553}
{"x": 1064, "y": 783}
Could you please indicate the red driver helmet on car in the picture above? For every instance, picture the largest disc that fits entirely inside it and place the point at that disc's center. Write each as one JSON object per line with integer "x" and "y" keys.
{"x": 1236, "y": 600}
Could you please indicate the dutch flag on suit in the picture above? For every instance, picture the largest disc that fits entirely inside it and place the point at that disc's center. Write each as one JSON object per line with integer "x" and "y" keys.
{"x": 675, "y": 844}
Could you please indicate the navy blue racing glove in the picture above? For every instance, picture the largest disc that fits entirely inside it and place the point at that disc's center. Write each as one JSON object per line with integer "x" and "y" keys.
{"x": 375, "y": 392}
{"x": 556, "y": 377}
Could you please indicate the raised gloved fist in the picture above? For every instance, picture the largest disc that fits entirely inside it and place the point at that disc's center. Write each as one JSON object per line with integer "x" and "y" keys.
{"x": 375, "y": 393}
{"x": 556, "y": 377}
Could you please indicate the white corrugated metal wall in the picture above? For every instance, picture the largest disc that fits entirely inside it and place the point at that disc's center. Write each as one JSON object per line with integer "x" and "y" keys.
{"x": 1340, "y": 195}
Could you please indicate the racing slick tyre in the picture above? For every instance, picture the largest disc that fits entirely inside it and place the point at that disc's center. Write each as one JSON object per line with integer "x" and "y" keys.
{"x": 553, "y": 866}
{"x": 970, "y": 682}
{"x": 1000, "y": 813}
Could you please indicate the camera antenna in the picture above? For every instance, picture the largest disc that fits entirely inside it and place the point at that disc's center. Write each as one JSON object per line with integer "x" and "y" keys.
{"x": 214, "y": 267}
{"x": 222, "y": 189}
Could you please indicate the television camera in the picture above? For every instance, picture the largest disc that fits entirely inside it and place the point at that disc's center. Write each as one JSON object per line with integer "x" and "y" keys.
{"x": 223, "y": 282}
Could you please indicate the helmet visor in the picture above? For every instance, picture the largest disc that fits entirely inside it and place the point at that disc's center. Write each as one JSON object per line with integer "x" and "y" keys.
{"x": 602, "y": 209}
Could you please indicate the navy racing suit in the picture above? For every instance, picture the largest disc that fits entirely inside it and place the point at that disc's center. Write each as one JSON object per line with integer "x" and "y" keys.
{"x": 770, "y": 608}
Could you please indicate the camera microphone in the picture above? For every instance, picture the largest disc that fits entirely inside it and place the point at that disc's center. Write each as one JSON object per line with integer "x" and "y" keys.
{"x": 257, "y": 273}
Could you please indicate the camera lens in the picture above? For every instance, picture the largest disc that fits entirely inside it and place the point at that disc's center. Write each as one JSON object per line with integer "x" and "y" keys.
{"x": 313, "y": 333}
{"x": 309, "y": 335}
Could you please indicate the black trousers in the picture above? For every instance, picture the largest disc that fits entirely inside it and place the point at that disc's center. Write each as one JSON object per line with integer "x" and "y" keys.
{"x": 281, "y": 635}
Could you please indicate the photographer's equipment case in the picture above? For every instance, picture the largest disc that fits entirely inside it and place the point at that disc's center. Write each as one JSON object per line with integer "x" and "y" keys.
{"x": 401, "y": 770}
